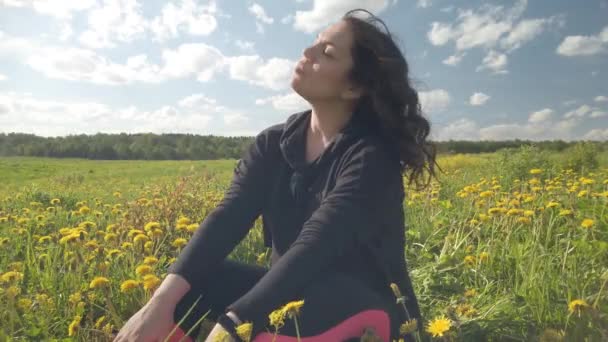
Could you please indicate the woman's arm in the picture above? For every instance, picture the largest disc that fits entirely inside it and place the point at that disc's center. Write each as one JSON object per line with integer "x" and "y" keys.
{"x": 230, "y": 221}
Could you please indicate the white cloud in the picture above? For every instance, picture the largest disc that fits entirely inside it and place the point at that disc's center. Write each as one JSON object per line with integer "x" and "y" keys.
{"x": 324, "y": 12}
{"x": 188, "y": 16}
{"x": 28, "y": 114}
{"x": 289, "y": 102}
{"x": 260, "y": 14}
{"x": 527, "y": 30}
{"x": 287, "y": 19}
{"x": 197, "y": 101}
{"x": 538, "y": 127}
{"x": 3, "y": 77}
{"x": 579, "y": 112}
{"x": 454, "y": 59}
{"x": 119, "y": 20}
{"x": 495, "y": 61}
{"x": 461, "y": 129}
{"x": 597, "y": 134}
{"x": 57, "y": 8}
{"x": 491, "y": 27}
{"x": 584, "y": 45}
{"x": 423, "y": 3}
{"x": 478, "y": 99}
{"x": 601, "y": 98}
{"x": 598, "y": 113}
{"x": 540, "y": 116}
{"x": 197, "y": 59}
{"x": 75, "y": 64}
{"x": 245, "y": 45}
{"x": 434, "y": 101}
{"x": 272, "y": 74}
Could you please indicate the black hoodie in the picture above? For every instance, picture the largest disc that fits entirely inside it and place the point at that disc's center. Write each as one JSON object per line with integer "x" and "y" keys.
{"x": 343, "y": 212}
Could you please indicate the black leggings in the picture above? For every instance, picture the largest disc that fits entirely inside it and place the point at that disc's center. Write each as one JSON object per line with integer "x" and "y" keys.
{"x": 338, "y": 307}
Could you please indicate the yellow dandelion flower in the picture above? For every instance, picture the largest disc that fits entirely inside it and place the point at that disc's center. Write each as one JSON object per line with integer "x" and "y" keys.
{"x": 536, "y": 171}
{"x": 484, "y": 256}
{"x": 244, "y": 331}
{"x": 565, "y": 212}
{"x": 179, "y": 243}
{"x": 128, "y": 285}
{"x": 587, "y": 223}
{"x": 150, "y": 260}
{"x": 73, "y": 327}
{"x": 142, "y": 270}
{"x": 24, "y": 304}
{"x": 139, "y": 238}
{"x": 577, "y": 305}
{"x": 126, "y": 245}
{"x": 524, "y": 220}
{"x": 183, "y": 220}
{"x": 528, "y": 213}
{"x": 469, "y": 260}
{"x": 277, "y": 318}
{"x": 465, "y": 309}
{"x": 11, "y": 276}
{"x": 84, "y": 210}
{"x": 470, "y": 293}
{"x": 408, "y": 327}
{"x": 151, "y": 282}
{"x": 151, "y": 225}
{"x": 55, "y": 201}
{"x": 192, "y": 227}
{"x": 222, "y": 336}
{"x": 552, "y": 204}
{"x": 438, "y": 326}
{"x": 99, "y": 282}
{"x": 293, "y": 308}
{"x": 13, "y": 291}
{"x": 99, "y": 322}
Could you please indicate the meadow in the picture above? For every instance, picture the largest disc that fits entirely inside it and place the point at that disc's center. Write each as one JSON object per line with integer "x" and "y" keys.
{"x": 504, "y": 247}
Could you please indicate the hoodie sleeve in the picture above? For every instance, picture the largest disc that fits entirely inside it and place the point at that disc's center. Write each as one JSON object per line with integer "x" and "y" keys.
{"x": 352, "y": 211}
{"x": 229, "y": 222}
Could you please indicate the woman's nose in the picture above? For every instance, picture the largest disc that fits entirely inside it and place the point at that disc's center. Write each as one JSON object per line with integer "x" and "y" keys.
{"x": 308, "y": 53}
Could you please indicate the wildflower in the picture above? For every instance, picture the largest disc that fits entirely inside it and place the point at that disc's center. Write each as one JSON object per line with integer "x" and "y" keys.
{"x": 536, "y": 171}
{"x": 84, "y": 210}
{"x": 74, "y": 326}
{"x": 110, "y": 237}
{"x": 55, "y": 201}
{"x": 438, "y": 326}
{"x": 222, "y": 336}
{"x": 582, "y": 193}
{"x": 150, "y": 260}
{"x": 128, "y": 285}
{"x": 140, "y": 238}
{"x": 44, "y": 239}
{"x": 470, "y": 293}
{"x": 13, "y": 291}
{"x": 99, "y": 282}
{"x": 408, "y": 327}
{"x": 465, "y": 310}
{"x": 587, "y": 223}
{"x": 192, "y": 227}
{"x": 99, "y": 322}
{"x": 484, "y": 256}
{"x": 469, "y": 260}
{"x": 528, "y": 213}
{"x": 577, "y": 305}
{"x": 11, "y": 276}
{"x": 565, "y": 212}
{"x": 151, "y": 281}
{"x": 293, "y": 308}
{"x": 244, "y": 331}
{"x": 151, "y": 225}
{"x": 552, "y": 204}
{"x": 142, "y": 270}
{"x": 179, "y": 243}
{"x": 24, "y": 304}
{"x": 277, "y": 318}
{"x": 524, "y": 220}
{"x": 183, "y": 220}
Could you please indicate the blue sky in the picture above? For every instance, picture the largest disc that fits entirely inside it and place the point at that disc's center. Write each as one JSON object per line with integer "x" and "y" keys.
{"x": 484, "y": 70}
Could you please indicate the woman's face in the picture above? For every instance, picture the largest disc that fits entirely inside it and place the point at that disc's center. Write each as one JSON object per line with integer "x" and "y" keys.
{"x": 321, "y": 73}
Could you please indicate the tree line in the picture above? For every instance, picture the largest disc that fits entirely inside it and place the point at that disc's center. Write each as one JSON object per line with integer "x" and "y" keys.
{"x": 151, "y": 146}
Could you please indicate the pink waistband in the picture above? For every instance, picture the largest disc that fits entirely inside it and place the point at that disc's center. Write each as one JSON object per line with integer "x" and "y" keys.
{"x": 354, "y": 326}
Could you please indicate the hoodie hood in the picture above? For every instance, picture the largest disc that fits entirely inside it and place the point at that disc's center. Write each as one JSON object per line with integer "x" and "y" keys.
{"x": 293, "y": 139}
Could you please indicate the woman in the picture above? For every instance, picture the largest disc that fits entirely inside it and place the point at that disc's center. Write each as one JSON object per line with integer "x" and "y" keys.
{"x": 329, "y": 185}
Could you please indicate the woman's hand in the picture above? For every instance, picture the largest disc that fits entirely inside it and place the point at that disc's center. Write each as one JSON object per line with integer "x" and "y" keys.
{"x": 152, "y": 323}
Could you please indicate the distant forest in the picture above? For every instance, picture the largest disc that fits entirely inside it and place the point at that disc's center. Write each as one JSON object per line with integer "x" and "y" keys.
{"x": 197, "y": 147}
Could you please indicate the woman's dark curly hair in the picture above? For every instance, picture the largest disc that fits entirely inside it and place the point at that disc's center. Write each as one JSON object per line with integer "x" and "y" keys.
{"x": 381, "y": 69}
